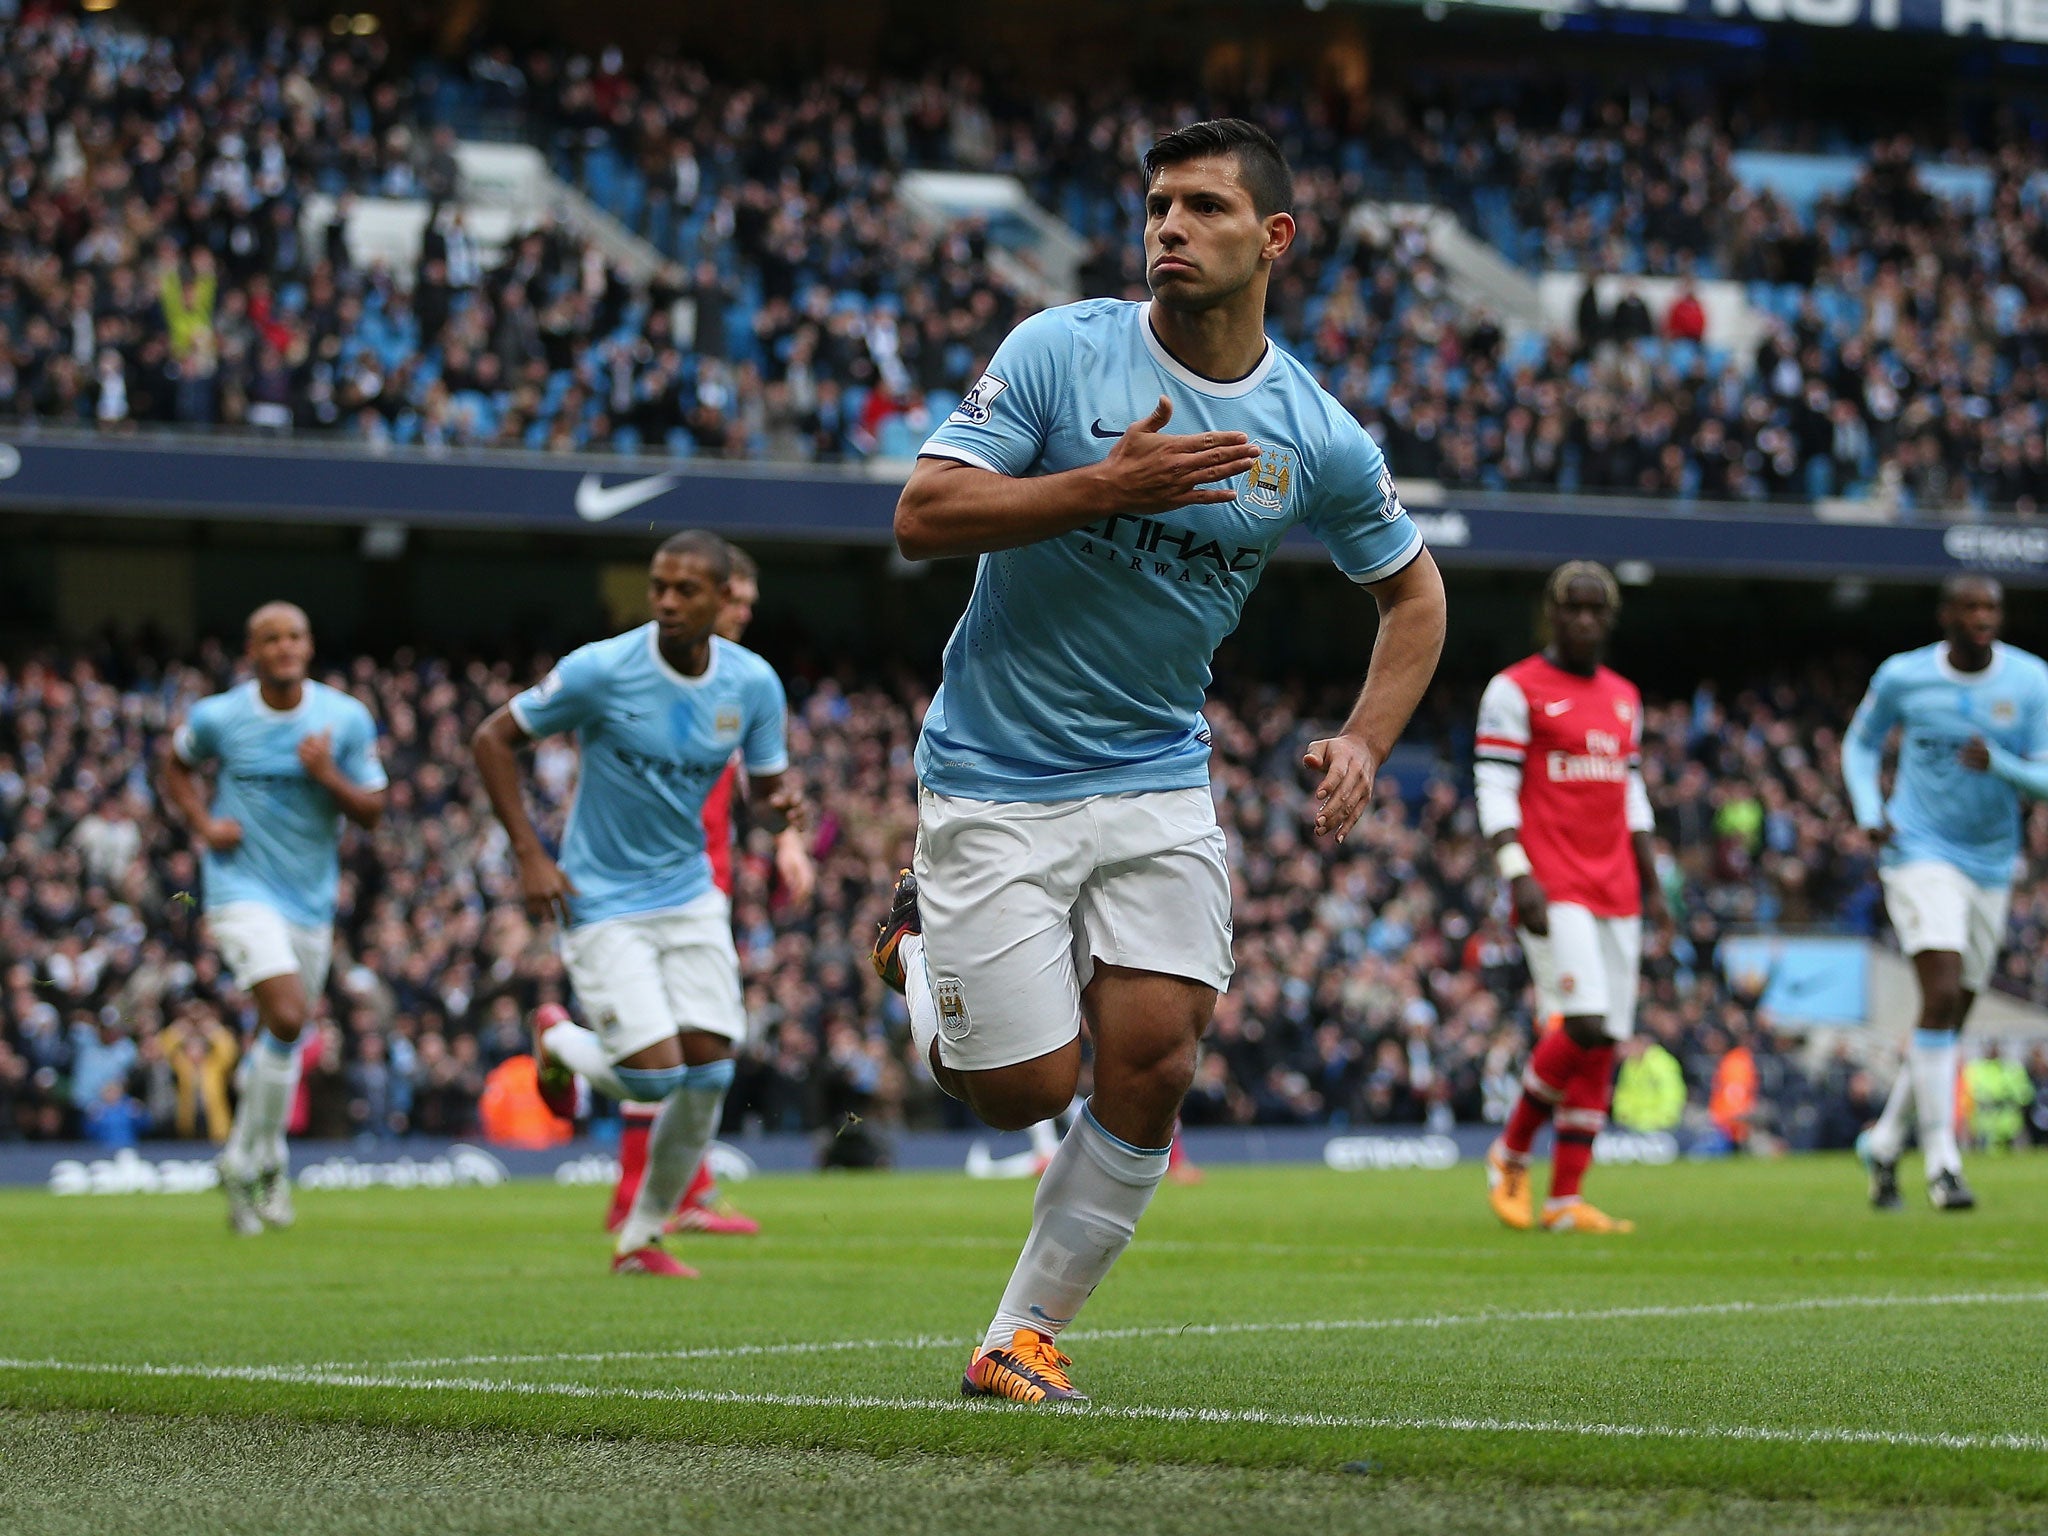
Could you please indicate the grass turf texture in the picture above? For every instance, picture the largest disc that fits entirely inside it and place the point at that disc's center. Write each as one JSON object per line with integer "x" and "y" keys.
{"x": 1797, "y": 1377}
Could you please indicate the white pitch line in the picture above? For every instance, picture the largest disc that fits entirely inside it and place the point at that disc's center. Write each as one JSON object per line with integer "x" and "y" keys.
{"x": 1351, "y": 1252}
{"x": 1222, "y": 1330}
{"x": 1764, "y": 1434}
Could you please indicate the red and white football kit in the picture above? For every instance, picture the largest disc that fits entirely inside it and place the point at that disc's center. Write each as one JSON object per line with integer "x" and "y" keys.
{"x": 718, "y": 827}
{"x": 1558, "y": 756}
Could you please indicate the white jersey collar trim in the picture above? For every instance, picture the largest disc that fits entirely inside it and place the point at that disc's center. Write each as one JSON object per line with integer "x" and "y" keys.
{"x": 1181, "y": 373}
{"x": 681, "y": 679}
{"x": 267, "y": 712}
{"x": 1956, "y": 674}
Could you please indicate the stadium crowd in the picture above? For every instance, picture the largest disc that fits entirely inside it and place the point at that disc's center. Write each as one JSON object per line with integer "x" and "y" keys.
{"x": 157, "y": 265}
{"x": 1377, "y": 982}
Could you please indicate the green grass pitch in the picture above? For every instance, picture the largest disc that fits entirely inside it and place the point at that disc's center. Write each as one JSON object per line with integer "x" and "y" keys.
{"x": 1282, "y": 1349}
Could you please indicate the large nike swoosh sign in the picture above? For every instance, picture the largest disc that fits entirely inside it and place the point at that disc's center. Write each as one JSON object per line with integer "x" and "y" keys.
{"x": 597, "y": 503}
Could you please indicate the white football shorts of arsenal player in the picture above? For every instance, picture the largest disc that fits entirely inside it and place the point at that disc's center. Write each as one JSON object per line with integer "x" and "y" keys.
{"x": 1558, "y": 756}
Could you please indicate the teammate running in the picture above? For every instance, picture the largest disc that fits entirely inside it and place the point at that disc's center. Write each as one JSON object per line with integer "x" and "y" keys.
{"x": 699, "y": 1210}
{"x": 290, "y": 757}
{"x": 1068, "y": 859}
{"x": 1974, "y": 719}
{"x": 658, "y": 712}
{"x": 1562, "y": 803}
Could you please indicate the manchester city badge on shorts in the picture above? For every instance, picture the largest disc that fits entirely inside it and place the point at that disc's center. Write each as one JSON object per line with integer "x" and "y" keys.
{"x": 952, "y": 1000}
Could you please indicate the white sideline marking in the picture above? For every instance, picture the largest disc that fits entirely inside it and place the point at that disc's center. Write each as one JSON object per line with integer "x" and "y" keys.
{"x": 300, "y": 1376}
{"x": 1219, "y": 1330}
{"x": 1009, "y": 1243}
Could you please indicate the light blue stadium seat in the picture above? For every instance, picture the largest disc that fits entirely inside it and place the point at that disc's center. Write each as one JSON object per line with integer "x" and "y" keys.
{"x": 895, "y": 440}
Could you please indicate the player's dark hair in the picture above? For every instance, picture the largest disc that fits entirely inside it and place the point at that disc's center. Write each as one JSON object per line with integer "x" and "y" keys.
{"x": 1953, "y": 587}
{"x": 744, "y": 566}
{"x": 276, "y": 603}
{"x": 1259, "y": 161}
{"x": 1558, "y": 588}
{"x": 695, "y": 543}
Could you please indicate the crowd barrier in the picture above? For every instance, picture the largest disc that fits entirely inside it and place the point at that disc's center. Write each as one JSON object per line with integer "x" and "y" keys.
{"x": 72, "y": 1169}
{"x": 241, "y": 479}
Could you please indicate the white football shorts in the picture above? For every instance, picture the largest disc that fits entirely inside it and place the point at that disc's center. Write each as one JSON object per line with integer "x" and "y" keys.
{"x": 1934, "y": 905}
{"x": 257, "y": 944}
{"x": 1020, "y": 900}
{"x": 1587, "y": 965}
{"x": 647, "y": 976}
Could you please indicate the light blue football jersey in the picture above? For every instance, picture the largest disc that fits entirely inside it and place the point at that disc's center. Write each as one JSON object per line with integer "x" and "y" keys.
{"x": 1939, "y": 809}
{"x": 291, "y": 827}
{"x": 1081, "y": 663}
{"x": 653, "y": 744}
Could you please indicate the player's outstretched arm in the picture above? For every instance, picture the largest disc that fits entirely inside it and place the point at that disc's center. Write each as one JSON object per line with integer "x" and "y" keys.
{"x": 951, "y": 508}
{"x": 1863, "y": 756}
{"x": 186, "y": 796}
{"x": 780, "y": 809}
{"x": 1642, "y": 833}
{"x": 542, "y": 884}
{"x": 1500, "y": 748}
{"x": 2028, "y": 775}
{"x": 1404, "y": 657}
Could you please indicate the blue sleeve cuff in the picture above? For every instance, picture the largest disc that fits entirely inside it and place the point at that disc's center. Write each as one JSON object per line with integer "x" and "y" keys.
{"x": 2023, "y": 773}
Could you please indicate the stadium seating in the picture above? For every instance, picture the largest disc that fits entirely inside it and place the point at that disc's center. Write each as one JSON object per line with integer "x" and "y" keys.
{"x": 162, "y": 267}
{"x": 1376, "y": 983}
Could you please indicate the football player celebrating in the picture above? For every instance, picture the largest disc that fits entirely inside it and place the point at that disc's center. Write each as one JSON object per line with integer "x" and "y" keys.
{"x": 1068, "y": 859}
{"x": 658, "y": 713}
{"x": 1973, "y": 717}
{"x": 700, "y": 1210}
{"x": 291, "y": 758}
{"x": 1562, "y": 803}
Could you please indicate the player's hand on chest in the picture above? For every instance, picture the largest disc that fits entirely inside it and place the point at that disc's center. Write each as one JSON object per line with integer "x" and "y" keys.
{"x": 1219, "y": 470}
{"x": 271, "y": 749}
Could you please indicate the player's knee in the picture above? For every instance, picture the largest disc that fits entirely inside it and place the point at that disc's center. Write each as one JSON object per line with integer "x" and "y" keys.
{"x": 1171, "y": 1073}
{"x": 1588, "y": 1031}
{"x": 1150, "y": 1076}
{"x": 1017, "y": 1109}
{"x": 1017, "y": 1098}
{"x": 285, "y": 1019}
{"x": 1012, "y": 1114}
{"x": 701, "y": 1047}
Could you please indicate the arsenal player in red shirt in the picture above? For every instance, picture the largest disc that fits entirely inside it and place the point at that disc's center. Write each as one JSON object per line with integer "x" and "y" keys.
{"x": 699, "y": 1210}
{"x": 1562, "y": 803}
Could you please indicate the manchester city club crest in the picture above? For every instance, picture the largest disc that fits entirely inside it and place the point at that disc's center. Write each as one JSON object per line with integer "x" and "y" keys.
{"x": 1271, "y": 477}
{"x": 954, "y": 1022}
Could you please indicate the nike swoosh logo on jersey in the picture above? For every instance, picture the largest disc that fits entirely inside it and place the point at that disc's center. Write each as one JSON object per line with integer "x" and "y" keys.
{"x": 596, "y": 502}
{"x": 1101, "y": 431}
{"x": 1557, "y": 707}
